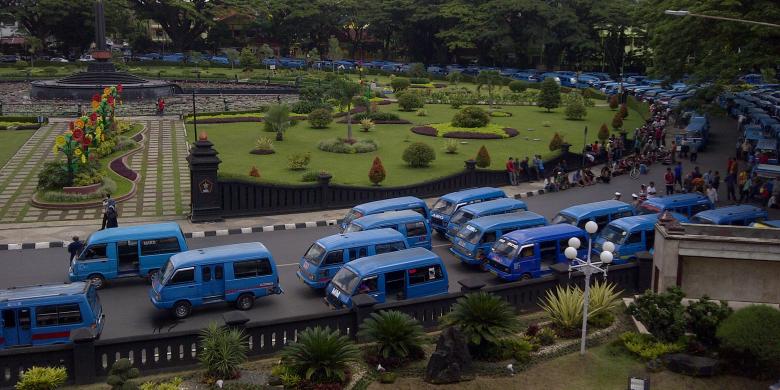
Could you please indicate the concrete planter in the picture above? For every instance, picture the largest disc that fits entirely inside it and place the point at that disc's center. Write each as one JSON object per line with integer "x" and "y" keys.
{"x": 83, "y": 190}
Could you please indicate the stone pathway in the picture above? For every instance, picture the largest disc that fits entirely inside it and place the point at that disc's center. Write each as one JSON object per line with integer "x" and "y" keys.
{"x": 163, "y": 189}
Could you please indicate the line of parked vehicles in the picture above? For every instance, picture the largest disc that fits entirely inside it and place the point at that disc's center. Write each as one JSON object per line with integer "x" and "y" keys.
{"x": 384, "y": 250}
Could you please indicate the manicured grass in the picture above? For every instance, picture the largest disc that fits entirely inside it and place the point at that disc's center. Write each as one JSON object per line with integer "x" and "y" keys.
{"x": 11, "y": 141}
{"x": 234, "y": 141}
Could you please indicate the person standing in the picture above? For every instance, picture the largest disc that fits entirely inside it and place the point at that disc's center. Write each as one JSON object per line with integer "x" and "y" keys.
{"x": 678, "y": 174}
{"x": 669, "y": 181}
{"x": 540, "y": 166}
{"x": 716, "y": 180}
{"x": 524, "y": 168}
{"x": 111, "y": 217}
{"x": 74, "y": 248}
{"x": 745, "y": 186}
{"x": 517, "y": 171}
{"x": 510, "y": 171}
{"x": 105, "y": 209}
{"x": 712, "y": 194}
{"x": 651, "y": 191}
{"x": 731, "y": 185}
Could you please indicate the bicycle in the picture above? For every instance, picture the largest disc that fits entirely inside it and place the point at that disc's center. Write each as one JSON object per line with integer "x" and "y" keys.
{"x": 634, "y": 172}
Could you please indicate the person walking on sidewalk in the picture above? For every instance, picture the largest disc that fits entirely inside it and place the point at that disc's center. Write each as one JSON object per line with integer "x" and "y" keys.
{"x": 731, "y": 185}
{"x": 105, "y": 209}
{"x": 74, "y": 248}
{"x": 669, "y": 181}
{"x": 111, "y": 217}
{"x": 510, "y": 171}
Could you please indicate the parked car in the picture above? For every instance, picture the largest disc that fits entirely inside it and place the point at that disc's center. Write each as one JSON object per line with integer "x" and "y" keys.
{"x": 58, "y": 59}
{"x": 86, "y": 58}
{"x": 9, "y": 58}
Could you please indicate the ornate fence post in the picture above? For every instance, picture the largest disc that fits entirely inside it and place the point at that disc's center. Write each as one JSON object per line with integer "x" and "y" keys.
{"x": 471, "y": 173}
{"x": 323, "y": 179}
{"x": 205, "y": 193}
{"x": 470, "y": 285}
{"x": 83, "y": 356}
{"x": 645, "y": 273}
{"x": 362, "y": 306}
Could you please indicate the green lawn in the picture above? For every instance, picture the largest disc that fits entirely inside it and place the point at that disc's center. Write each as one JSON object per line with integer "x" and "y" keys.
{"x": 11, "y": 141}
{"x": 234, "y": 142}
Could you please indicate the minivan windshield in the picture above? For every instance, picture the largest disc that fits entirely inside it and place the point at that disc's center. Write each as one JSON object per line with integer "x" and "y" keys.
{"x": 506, "y": 248}
{"x": 353, "y": 227}
{"x": 346, "y": 280}
{"x": 351, "y": 216}
{"x": 314, "y": 254}
{"x": 561, "y": 218}
{"x": 443, "y": 206}
{"x": 94, "y": 301}
{"x": 614, "y": 234}
{"x": 461, "y": 216}
{"x": 168, "y": 272}
{"x": 470, "y": 234}
{"x": 701, "y": 221}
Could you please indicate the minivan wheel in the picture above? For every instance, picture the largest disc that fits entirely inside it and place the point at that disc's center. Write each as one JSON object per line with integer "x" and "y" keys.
{"x": 245, "y": 302}
{"x": 525, "y": 277}
{"x": 182, "y": 309}
{"x": 97, "y": 280}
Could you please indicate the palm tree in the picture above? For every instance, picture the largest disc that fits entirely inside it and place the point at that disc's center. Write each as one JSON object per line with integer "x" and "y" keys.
{"x": 343, "y": 90}
{"x": 320, "y": 355}
{"x": 277, "y": 119}
{"x": 483, "y": 318}
{"x": 490, "y": 80}
{"x": 396, "y": 334}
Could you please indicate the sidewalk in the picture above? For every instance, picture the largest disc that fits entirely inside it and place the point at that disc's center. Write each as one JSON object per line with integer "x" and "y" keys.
{"x": 41, "y": 235}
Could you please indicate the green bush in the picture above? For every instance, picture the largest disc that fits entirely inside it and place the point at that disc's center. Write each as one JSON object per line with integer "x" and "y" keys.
{"x": 298, "y": 161}
{"x": 703, "y": 318}
{"x": 290, "y": 379}
{"x": 409, "y": 101}
{"x": 375, "y": 116}
{"x": 42, "y": 378}
{"x": 419, "y": 155}
{"x": 120, "y": 375}
{"x": 367, "y": 125}
{"x": 546, "y": 336}
{"x": 421, "y": 112}
{"x": 87, "y": 179}
{"x": 222, "y": 350}
{"x": 483, "y": 157}
{"x": 556, "y": 142}
{"x": 309, "y": 176}
{"x": 451, "y": 146}
{"x": 53, "y": 176}
{"x": 419, "y": 80}
{"x": 454, "y": 78}
{"x": 359, "y": 101}
{"x": 484, "y": 319}
{"x": 399, "y": 84}
{"x": 613, "y": 102}
{"x": 307, "y": 106}
{"x": 471, "y": 117}
{"x": 339, "y": 145}
{"x": 550, "y": 95}
{"x": 264, "y": 143}
{"x": 564, "y": 307}
{"x": 173, "y": 384}
{"x": 575, "y": 107}
{"x": 647, "y": 347}
{"x": 320, "y": 118}
{"x": 320, "y": 355}
{"x": 500, "y": 114}
{"x": 517, "y": 86}
{"x": 457, "y": 100}
{"x": 663, "y": 314}
{"x": 396, "y": 334}
{"x": 750, "y": 340}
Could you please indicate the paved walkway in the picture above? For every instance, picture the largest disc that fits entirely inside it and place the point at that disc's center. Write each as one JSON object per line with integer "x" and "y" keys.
{"x": 161, "y": 164}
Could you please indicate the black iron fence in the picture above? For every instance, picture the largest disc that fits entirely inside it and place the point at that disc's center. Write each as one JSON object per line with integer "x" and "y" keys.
{"x": 89, "y": 361}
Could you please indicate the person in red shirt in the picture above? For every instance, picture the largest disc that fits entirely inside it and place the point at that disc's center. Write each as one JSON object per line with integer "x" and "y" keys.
{"x": 510, "y": 171}
{"x": 160, "y": 106}
{"x": 669, "y": 181}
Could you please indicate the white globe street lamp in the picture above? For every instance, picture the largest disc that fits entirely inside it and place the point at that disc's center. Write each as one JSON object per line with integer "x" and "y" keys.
{"x": 588, "y": 268}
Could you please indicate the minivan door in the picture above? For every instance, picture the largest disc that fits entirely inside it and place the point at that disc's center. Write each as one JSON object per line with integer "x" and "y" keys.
{"x": 127, "y": 255}
{"x": 212, "y": 286}
{"x": 417, "y": 235}
{"x": 10, "y": 333}
{"x": 24, "y": 328}
{"x": 371, "y": 285}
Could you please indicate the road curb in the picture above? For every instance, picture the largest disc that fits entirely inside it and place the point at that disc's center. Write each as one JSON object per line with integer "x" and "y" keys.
{"x": 199, "y": 234}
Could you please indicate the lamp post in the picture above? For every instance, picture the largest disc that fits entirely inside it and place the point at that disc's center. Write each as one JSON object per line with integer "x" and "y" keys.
{"x": 588, "y": 268}
{"x": 689, "y": 13}
{"x": 194, "y": 114}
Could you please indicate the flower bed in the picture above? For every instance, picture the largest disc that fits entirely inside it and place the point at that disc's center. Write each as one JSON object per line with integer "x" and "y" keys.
{"x": 83, "y": 190}
{"x": 380, "y": 121}
{"x": 118, "y": 166}
{"x": 446, "y": 130}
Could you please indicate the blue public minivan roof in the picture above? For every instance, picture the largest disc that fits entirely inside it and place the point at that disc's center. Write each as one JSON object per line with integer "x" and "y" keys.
{"x": 532, "y": 234}
{"x": 502, "y": 203}
{"x": 362, "y": 238}
{"x": 503, "y": 220}
{"x": 387, "y": 204}
{"x": 474, "y": 193}
{"x": 671, "y": 200}
{"x": 152, "y": 230}
{"x": 219, "y": 253}
{"x": 392, "y": 261}
{"x": 716, "y": 215}
{"x": 627, "y": 223}
{"x": 401, "y": 216}
{"x": 50, "y": 290}
{"x": 581, "y": 210}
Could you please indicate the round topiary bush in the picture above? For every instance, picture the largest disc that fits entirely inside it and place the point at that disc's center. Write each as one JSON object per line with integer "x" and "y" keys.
{"x": 320, "y": 118}
{"x": 419, "y": 155}
{"x": 517, "y": 86}
{"x": 409, "y": 101}
{"x": 750, "y": 339}
{"x": 471, "y": 117}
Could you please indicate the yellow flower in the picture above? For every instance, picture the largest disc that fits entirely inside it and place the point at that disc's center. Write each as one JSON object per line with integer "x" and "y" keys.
{"x": 103, "y": 137}
{"x": 98, "y": 132}
{"x": 77, "y": 152}
{"x": 56, "y": 149}
{"x": 83, "y": 159}
{"x": 78, "y": 123}
{"x": 59, "y": 141}
{"x": 106, "y": 91}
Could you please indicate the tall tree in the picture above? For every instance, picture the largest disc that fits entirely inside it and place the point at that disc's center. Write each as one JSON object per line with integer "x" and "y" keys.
{"x": 343, "y": 90}
{"x": 183, "y": 20}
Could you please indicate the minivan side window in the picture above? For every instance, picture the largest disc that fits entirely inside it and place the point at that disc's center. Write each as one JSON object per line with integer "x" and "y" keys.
{"x": 356, "y": 253}
{"x": 58, "y": 314}
{"x": 97, "y": 251}
{"x": 415, "y": 229}
{"x": 621, "y": 215}
{"x": 389, "y": 247}
{"x": 634, "y": 238}
{"x": 602, "y": 220}
{"x": 251, "y": 268}
{"x": 160, "y": 245}
{"x": 334, "y": 257}
{"x": 425, "y": 274}
{"x": 548, "y": 250}
{"x": 218, "y": 272}
{"x": 205, "y": 273}
{"x": 489, "y": 237}
{"x": 420, "y": 210}
{"x": 527, "y": 251}
{"x": 9, "y": 320}
{"x": 182, "y": 276}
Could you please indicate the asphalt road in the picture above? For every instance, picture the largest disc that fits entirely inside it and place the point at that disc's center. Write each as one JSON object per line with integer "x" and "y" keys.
{"x": 129, "y": 312}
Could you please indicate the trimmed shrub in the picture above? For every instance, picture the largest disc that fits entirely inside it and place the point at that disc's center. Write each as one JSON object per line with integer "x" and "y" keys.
{"x": 366, "y": 125}
{"x": 173, "y": 384}
{"x": 409, "y": 101}
{"x": 457, "y": 100}
{"x": 483, "y": 157}
{"x": 42, "y": 378}
{"x": 550, "y": 95}
{"x": 546, "y": 336}
{"x": 359, "y": 101}
{"x": 320, "y": 355}
{"x": 421, "y": 112}
{"x": 704, "y": 316}
{"x": 517, "y": 86}
{"x": 120, "y": 375}
{"x": 454, "y": 78}
{"x": 307, "y": 106}
{"x": 419, "y": 155}
{"x": 223, "y": 349}
{"x": 419, "y": 80}
{"x": 375, "y": 116}
{"x": 647, "y": 347}
{"x": 556, "y": 142}
{"x": 377, "y": 172}
{"x": 471, "y": 117}
{"x": 623, "y": 111}
{"x": 603, "y": 133}
{"x": 309, "y": 176}
{"x": 575, "y": 107}
{"x": 290, "y": 379}
{"x": 340, "y": 145}
{"x": 750, "y": 340}
{"x": 515, "y": 348}
{"x": 254, "y": 172}
{"x": 451, "y": 146}
{"x": 298, "y": 161}
{"x": 500, "y": 114}
{"x": 264, "y": 143}
{"x": 663, "y": 314}
{"x": 399, "y": 84}
{"x": 613, "y": 102}
{"x": 53, "y": 176}
{"x": 617, "y": 121}
{"x": 484, "y": 319}
{"x": 320, "y": 118}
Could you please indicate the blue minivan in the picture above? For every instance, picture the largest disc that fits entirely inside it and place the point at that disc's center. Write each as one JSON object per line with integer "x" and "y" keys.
{"x": 326, "y": 256}
{"x": 529, "y": 253}
{"x": 685, "y": 204}
{"x": 602, "y": 213}
{"x": 236, "y": 273}
{"x": 448, "y": 204}
{"x": 630, "y": 235}
{"x": 43, "y": 315}
{"x": 411, "y": 224}
{"x": 406, "y": 274}
{"x": 482, "y": 209}
{"x": 133, "y": 251}
{"x": 381, "y": 206}
{"x": 738, "y": 215}
{"x": 474, "y": 240}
